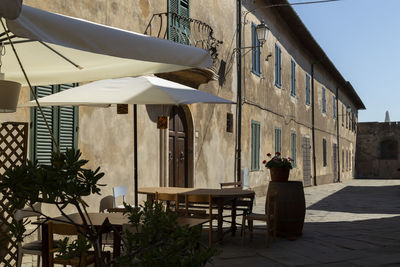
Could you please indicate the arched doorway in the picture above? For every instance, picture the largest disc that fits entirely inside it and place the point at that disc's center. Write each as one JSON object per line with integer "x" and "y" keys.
{"x": 178, "y": 148}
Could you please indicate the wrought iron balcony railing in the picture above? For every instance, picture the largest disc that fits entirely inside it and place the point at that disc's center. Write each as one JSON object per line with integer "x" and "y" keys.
{"x": 183, "y": 30}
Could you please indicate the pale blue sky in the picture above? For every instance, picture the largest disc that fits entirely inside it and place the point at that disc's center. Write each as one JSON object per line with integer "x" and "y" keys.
{"x": 361, "y": 37}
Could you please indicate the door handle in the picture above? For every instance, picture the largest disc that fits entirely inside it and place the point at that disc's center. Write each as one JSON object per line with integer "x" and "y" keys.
{"x": 181, "y": 155}
{"x": 170, "y": 155}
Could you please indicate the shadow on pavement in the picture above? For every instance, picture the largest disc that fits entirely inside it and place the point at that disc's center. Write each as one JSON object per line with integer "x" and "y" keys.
{"x": 362, "y": 199}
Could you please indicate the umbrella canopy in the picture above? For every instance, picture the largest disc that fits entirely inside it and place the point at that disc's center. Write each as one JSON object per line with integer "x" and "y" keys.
{"x": 58, "y": 49}
{"x": 128, "y": 90}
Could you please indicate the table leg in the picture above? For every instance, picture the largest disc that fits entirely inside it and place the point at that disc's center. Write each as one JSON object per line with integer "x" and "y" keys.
{"x": 233, "y": 214}
{"x": 220, "y": 206}
{"x": 45, "y": 245}
{"x": 116, "y": 245}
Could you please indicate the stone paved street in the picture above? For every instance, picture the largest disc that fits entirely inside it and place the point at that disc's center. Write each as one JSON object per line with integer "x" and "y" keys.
{"x": 356, "y": 223}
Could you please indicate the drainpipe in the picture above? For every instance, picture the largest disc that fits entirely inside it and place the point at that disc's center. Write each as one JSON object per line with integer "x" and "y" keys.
{"x": 313, "y": 125}
{"x": 337, "y": 134}
{"x": 239, "y": 87}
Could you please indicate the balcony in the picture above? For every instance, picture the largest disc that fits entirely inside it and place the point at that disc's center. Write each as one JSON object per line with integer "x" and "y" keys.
{"x": 187, "y": 31}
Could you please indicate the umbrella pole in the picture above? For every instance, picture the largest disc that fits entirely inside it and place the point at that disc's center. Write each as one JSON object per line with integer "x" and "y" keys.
{"x": 135, "y": 153}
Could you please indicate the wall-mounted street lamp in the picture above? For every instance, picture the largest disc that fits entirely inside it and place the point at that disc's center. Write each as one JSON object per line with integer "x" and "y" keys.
{"x": 262, "y": 32}
{"x": 262, "y": 35}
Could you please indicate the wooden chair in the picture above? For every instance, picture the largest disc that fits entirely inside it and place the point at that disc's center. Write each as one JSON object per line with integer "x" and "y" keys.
{"x": 119, "y": 191}
{"x": 270, "y": 217}
{"x": 168, "y": 198}
{"x": 191, "y": 201}
{"x": 70, "y": 230}
{"x": 33, "y": 247}
{"x": 244, "y": 205}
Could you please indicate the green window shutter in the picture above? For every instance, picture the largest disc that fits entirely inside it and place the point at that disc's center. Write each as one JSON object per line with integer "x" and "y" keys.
{"x": 324, "y": 152}
{"x": 179, "y": 30}
{"x": 41, "y": 142}
{"x": 334, "y": 107}
{"x": 67, "y": 127}
{"x": 255, "y": 67}
{"x": 293, "y": 78}
{"x": 323, "y": 100}
{"x": 278, "y": 62}
{"x": 308, "y": 102}
{"x": 278, "y": 144}
{"x": 255, "y": 145}
{"x": 293, "y": 148}
{"x": 63, "y": 122}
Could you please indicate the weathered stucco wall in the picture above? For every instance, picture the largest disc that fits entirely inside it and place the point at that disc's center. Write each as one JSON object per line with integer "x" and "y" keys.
{"x": 106, "y": 139}
{"x": 378, "y": 153}
{"x": 275, "y": 107}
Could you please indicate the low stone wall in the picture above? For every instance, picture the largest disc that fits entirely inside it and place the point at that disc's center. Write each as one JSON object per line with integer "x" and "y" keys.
{"x": 378, "y": 152}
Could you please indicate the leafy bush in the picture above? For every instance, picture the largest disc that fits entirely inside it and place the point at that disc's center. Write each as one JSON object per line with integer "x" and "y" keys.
{"x": 154, "y": 238}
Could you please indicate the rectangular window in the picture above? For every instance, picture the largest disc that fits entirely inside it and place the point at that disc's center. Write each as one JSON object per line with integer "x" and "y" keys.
{"x": 63, "y": 122}
{"x": 293, "y": 78}
{"x": 324, "y": 152}
{"x": 178, "y": 21}
{"x": 323, "y": 100}
{"x": 293, "y": 139}
{"x": 278, "y": 66}
{"x": 347, "y": 119}
{"x": 278, "y": 138}
{"x": 255, "y": 67}
{"x": 334, "y": 107}
{"x": 342, "y": 115}
{"x": 308, "y": 83}
{"x": 342, "y": 160}
{"x": 255, "y": 145}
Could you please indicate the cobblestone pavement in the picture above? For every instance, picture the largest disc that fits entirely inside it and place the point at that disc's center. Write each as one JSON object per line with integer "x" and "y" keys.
{"x": 355, "y": 223}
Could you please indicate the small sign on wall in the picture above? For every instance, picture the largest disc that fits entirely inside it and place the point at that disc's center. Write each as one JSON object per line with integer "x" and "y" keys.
{"x": 162, "y": 122}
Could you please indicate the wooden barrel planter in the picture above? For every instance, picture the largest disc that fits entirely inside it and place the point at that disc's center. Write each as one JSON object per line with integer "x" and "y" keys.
{"x": 291, "y": 207}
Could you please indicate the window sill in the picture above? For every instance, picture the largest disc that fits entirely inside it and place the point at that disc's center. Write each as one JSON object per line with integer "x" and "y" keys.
{"x": 258, "y": 74}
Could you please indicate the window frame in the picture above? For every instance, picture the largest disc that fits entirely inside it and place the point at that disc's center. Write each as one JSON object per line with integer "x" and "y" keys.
{"x": 324, "y": 153}
{"x": 278, "y": 141}
{"x": 323, "y": 100}
{"x": 255, "y": 52}
{"x": 293, "y": 140}
{"x": 278, "y": 66}
{"x": 255, "y": 145}
{"x": 292, "y": 78}
{"x": 308, "y": 89}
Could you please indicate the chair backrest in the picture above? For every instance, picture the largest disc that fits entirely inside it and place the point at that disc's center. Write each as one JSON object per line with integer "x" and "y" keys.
{"x": 57, "y": 228}
{"x": 198, "y": 199}
{"x": 106, "y": 202}
{"x": 166, "y": 197}
{"x": 119, "y": 191}
{"x": 28, "y": 212}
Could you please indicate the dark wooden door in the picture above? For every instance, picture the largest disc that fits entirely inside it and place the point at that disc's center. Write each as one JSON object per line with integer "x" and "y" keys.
{"x": 178, "y": 175}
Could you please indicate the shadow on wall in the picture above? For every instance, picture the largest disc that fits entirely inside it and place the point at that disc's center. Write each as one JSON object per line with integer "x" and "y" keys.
{"x": 362, "y": 199}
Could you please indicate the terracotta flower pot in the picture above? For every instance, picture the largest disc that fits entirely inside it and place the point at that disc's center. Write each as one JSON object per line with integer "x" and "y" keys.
{"x": 279, "y": 174}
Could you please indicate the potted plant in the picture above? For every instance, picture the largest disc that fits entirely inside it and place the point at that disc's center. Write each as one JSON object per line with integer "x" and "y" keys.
{"x": 279, "y": 167}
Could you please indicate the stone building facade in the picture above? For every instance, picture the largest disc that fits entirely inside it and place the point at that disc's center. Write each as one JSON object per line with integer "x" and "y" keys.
{"x": 378, "y": 154}
{"x": 293, "y": 100}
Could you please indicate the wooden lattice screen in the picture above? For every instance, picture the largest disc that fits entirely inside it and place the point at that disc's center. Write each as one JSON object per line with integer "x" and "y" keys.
{"x": 13, "y": 152}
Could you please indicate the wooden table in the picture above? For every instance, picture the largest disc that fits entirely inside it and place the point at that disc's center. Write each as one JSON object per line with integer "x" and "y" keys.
{"x": 219, "y": 196}
{"x": 115, "y": 219}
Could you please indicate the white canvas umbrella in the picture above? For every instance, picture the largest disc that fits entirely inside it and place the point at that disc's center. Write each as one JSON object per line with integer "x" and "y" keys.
{"x": 139, "y": 90}
{"x": 129, "y": 90}
{"x": 58, "y": 49}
